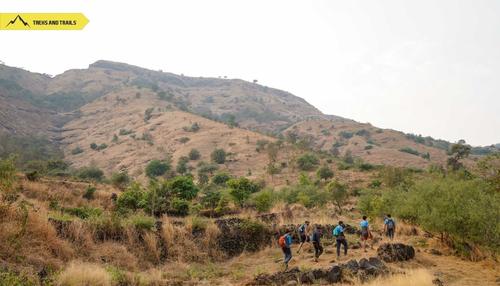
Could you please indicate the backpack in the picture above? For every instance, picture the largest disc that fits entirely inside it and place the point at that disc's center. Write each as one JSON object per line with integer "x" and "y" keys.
{"x": 282, "y": 241}
{"x": 390, "y": 223}
{"x": 336, "y": 231}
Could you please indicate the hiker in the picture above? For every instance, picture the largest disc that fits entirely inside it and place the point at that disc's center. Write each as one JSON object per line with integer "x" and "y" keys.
{"x": 303, "y": 234}
{"x": 365, "y": 231}
{"x": 285, "y": 241}
{"x": 389, "y": 226}
{"x": 316, "y": 241}
{"x": 338, "y": 232}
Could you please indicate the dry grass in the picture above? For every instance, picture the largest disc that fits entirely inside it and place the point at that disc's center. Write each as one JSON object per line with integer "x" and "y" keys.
{"x": 83, "y": 274}
{"x": 417, "y": 277}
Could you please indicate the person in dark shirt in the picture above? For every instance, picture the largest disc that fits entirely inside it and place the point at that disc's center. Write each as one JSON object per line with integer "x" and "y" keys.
{"x": 316, "y": 241}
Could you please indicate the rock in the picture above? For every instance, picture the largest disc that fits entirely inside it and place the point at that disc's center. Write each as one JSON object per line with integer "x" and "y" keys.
{"x": 437, "y": 282}
{"x": 435, "y": 252}
{"x": 392, "y": 252}
{"x": 307, "y": 278}
{"x": 334, "y": 275}
{"x": 371, "y": 267}
{"x": 376, "y": 262}
{"x": 353, "y": 266}
{"x": 319, "y": 274}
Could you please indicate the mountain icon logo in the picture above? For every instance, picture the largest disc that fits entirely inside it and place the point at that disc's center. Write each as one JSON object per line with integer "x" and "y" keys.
{"x": 18, "y": 17}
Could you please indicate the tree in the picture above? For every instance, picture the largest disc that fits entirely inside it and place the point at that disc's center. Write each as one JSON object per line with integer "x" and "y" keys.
{"x": 272, "y": 152}
{"x": 241, "y": 189}
{"x": 133, "y": 198}
{"x": 264, "y": 200}
{"x": 156, "y": 168}
{"x": 458, "y": 152}
{"x": 324, "y": 173}
{"x": 339, "y": 194}
{"x": 211, "y": 199}
{"x": 221, "y": 178}
{"x": 307, "y": 162}
{"x": 219, "y": 156}
{"x": 182, "y": 187}
{"x": 194, "y": 154}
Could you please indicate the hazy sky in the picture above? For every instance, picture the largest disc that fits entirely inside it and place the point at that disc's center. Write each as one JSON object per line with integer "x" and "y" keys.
{"x": 425, "y": 67}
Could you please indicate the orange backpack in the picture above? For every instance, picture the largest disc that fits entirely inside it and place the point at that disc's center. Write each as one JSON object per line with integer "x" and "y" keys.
{"x": 281, "y": 241}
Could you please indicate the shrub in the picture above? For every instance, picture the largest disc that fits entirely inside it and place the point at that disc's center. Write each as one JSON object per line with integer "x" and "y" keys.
{"x": 120, "y": 180}
{"x": 90, "y": 173}
{"x": 8, "y": 278}
{"x": 179, "y": 207}
{"x": 93, "y": 146}
{"x": 210, "y": 198}
{"x": 182, "y": 165}
{"x": 221, "y": 178}
{"x": 156, "y": 168}
{"x": 264, "y": 200}
{"x": 363, "y": 133}
{"x": 375, "y": 184}
{"x": 306, "y": 194}
{"x": 123, "y": 132}
{"x": 348, "y": 158}
{"x": 133, "y": 198}
{"x": 89, "y": 193}
{"x": 83, "y": 212}
{"x": 410, "y": 151}
{"x": 194, "y": 154}
{"x": 193, "y": 128}
{"x": 324, "y": 173}
{"x": 365, "y": 167}
{"x": 218, "y": 156}
{"x": 184, "y": 140}
{"x": 76, "y": 151}
{"x": 368, "y": 147}
{"x": 346, "y": 134}
{"x": 141, "y": 222}
{"x": 261, "y": 144}
{"x": 307, "y": 162}
{"x": 148, "y": 114}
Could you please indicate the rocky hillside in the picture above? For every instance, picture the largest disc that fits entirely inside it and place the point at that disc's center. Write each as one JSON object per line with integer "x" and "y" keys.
{"x": 153, "y": 109}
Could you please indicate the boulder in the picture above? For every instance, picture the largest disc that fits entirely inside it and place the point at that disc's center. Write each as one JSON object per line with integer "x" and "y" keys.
{"x": 307, "y": 277}
{"x": 392, "y": 252}
{"x": 334, "y": 275}
{"x": 353, "y": 266}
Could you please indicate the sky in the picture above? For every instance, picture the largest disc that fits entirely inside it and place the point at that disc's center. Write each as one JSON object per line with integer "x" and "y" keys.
{"x": 423, "y": 67}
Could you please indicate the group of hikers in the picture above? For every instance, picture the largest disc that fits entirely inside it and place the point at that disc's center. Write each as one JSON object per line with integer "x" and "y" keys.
{"x": 312, "y": 234}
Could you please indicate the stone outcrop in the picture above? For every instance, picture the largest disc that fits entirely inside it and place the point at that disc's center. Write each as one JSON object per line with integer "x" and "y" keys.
{"x": 393, "y": 252}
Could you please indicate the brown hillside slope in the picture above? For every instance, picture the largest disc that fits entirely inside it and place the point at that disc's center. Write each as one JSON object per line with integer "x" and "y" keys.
{"x": 385, "y": 144}
{"x": 155, "y": 138}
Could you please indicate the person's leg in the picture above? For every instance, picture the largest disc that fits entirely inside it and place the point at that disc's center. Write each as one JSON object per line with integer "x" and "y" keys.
{"x": 339, "y": 243}
{"x": 344, "y": 242}
{"x": 320, "y": 247}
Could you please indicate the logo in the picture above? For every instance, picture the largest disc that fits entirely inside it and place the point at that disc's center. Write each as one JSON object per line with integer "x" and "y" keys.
{"x": 42, "y": 21}
{"x": 18, "y": 17}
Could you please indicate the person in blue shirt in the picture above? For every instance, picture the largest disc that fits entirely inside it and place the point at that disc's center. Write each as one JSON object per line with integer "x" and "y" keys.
{"x": 285, "y": 242}
{"x": 338, "y": 233}
{"x": 316, "y": 241}
{"x": 303, "y": 234}
{"x": 365, "y": 231}
{"x": 389, "y": 226}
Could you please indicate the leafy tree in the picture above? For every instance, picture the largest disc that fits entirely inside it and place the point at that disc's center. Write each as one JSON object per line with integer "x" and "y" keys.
{"x": 194, "y": 154}
{"x": 179, "y": 207}
{"x": 133, "y": 198}
{"x": 156, "y": 168}
{"x": 458, "y": 152}
{"x": 182, "y": 187}
{"x": 210, "y": 199}
{"x": 120, "y": 180}
{"x": 324, "y": 173}
{"x": 219, "y": 156}
{"x": 241, "y": 189}
{"x": 339, "y": 194}
{"x": 307, "y": 162}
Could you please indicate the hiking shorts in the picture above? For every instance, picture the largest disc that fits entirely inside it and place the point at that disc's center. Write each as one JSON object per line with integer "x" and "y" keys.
{"x": 364, "y": 235}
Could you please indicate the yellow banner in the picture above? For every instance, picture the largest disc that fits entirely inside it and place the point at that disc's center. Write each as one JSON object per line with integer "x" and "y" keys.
{"x": 42, "y": 21}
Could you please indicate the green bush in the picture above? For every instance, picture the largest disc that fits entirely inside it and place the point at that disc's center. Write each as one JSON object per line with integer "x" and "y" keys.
{"x": 365, "y": 167}
{"x": 182, "y": 187}
{"x": 93, "y": 146}
{"x": 76, "y": 151}
{"x": 307, "y": 162}
{"x": 156, "y": 168}
{"x": 193, "y": 128}
{"x": 133, "y": 198}
{"x": 148, "y": 114}
{"x": 141, "y": 222}
{"x": 324, "y": 173}
{"x": 210, "y": 198}
{"x": 221, "y": 178}
{"x": 410, "y": 151}
{"x": 264, "y": 200}
{"x": 179, "y": 207}
{"x": 339, "y": 194}
{"x": 218, "y": 156}
{"x": 346, "y": 134}
{"x": 194, "y": 154}
{"x": 123, "y": 132}
{"x": 90, "y": 173}
{"x": 8, "y": 278}
{"x": 89, "y": 193}
{"x": 463, "y": 209}
{"x": 182, "y": 165}
{"x": 120, "y": 180}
